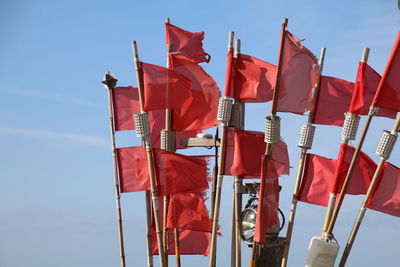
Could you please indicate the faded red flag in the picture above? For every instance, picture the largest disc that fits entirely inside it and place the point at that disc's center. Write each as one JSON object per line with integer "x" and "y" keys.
{"x": 244, "y": 152}
{"x": 333, "y": 101}
{"x": 126, "y": 102}
{"x": 386, "y": 197}
{"x": 188, "y": 211}
{"x": 164, "y": 88}
{"x": 199, "y": 112}
{"x": 252, "y": 79}
{"x": 175, "y": 173}
{"x": 323, "y": 176}
{"x": 388, "y": 92}
{"x": 186, "y": 45}
{"x": 299, "y": 75}
{"x": 365, "y": 88}
{"x": 267, "y": 209}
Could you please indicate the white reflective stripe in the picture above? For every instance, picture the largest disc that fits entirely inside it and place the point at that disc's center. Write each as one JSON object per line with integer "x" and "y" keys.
{"x": 360, "y": 216}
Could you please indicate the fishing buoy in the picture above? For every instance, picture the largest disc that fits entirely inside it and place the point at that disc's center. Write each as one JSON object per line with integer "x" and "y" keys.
{"x": 321, "y": 253}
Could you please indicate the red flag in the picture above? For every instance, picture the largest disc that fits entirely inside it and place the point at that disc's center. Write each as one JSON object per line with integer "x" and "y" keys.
{"x": 322, "y": 176}
{"x": 386, "y": 197}
{"x": 267, "y": 209}
{"x": 388, "y": 92}
{"x": 188, "y": 211}
{"x": 164, "y": 88}
{"x": 190, "y": 242}
{"x": 299, "y": 75}
{"x": 244, "y": 151}
{"x": 200, "y": 111}
{"x": 126, "y": 102}
{"x": 333, "y": 101}
{"x": 175, "y": 173}
{"x": 186, "y": 45}
{"x": 365, "y": 88}
{"x": 253, "y": 79}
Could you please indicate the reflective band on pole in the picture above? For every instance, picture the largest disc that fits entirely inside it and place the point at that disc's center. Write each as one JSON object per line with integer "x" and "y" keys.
{"x": 306, "y": 136}
{"x": 224, "y": 110}
{"x": 142, "y": 124}
{"x": 272, "y": 130}
{"x": 386, "y": 144}
{"x": 350, "y": 126}
{"x": 167, "y": 141}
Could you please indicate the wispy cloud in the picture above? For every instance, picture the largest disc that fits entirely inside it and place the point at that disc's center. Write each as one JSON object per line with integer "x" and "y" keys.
{"x": 47, "y": 95}
{"x": 78, "y": 138}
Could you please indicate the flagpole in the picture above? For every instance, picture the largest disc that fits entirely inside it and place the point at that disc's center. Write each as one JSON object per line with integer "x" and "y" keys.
{"x": 110, "y": 82}
{"x": 346, "y": 137}
{"x": 215, "y": 174}
{"x": 305, "y": 143}
{"x": 273, "y": 119}
{"x": 148, "y": 230}
{"x": 237, "y": 185}
{"x": 371, "y": 113}
{"x": 141, "y": 119}
{"x": 221, "y": 162}
{"x": 384, "y": 149}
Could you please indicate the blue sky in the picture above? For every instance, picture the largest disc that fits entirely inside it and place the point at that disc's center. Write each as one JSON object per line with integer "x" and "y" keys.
{"x": 57, "y": 204}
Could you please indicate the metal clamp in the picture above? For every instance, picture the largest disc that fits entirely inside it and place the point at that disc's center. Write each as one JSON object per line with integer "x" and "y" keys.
{"x": 224, "y": 110}
{"x": 167, "y": 141}
{"x": 142, "y": 124}
{"x": 306, "y": 136}
{"x": 272, "y": 130}
{"x": 386, "y": 144}
{"x": 350, "y": 126}
{"x": 236, "y": 120}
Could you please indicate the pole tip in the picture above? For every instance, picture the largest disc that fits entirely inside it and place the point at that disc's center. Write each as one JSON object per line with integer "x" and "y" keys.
{"x": 109, "y": 80}
{"x": 365, "y": 55}
{"x": 167, "y": 21}
{"x": 285, "y": 21}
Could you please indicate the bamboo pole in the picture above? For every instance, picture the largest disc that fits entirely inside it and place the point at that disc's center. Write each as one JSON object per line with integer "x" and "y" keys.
{"x": 150, "y": 159}
{"x": 303, "y": 156}
{"x": 177, "y": 247}
{"x": 353, "y": 162}
{"x": 220, "y": 176}
{"x": 363, "y": 209}
{"x": 269, "y": 146}
{"x": 148, "y": 230}
{"x": 333, "y": 196}
{"x": 215, "y": 174}
{"x": 110, "y": 82}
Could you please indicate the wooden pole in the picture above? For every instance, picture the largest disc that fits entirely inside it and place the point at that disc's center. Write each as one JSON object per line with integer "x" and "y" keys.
{"x": 269, "y": 146}
{"x": 148, "y": 230}
{"x": 303, "y": 156}
{"x": 150, "y": 159}
{"x": 363, "y": 209}
{"x": 110, "y": 82}
{"x": 333, "y": 196}
{"x": 215, "y": 174}
{"x": 220, "y": 176}
{"x": 334, "y": 214}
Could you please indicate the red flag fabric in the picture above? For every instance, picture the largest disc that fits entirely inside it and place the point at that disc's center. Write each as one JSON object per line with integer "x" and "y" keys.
{"x": 164, "y": 88}
{"x": 175, "y": 173}
{"x": 267, "y": 208}
{"x": 365, "y": 88}
{"x": 333, "y": 101}
{"x": 322, "y": 176}
{"x": 388, "y": 92}
{"x": 190, "y": 242}
{"x": 198, "y": 112}
{"x": 253, "y": 79}
{"x": 245, "y": 150}
{"x": 386, "y": 197}
{"x": 188, "y": 211}
{"x": 126, "y": 102}
{"x": 186, "y": 45}
{"x": 299, "y": 75}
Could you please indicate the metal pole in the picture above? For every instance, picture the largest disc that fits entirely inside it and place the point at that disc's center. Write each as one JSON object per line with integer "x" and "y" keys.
{"x": 268, "y": 149}
{"x": 149, "y": 152}
{"x": 110, "y": 82}
{"x": 353, "y": 162}
{"x": 220, "y": 176}
{"x": 371, "y": 190}
{"x": 303, "y": 156}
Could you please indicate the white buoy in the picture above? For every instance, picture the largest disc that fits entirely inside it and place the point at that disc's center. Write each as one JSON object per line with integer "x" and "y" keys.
{"x": 321, "y": 253}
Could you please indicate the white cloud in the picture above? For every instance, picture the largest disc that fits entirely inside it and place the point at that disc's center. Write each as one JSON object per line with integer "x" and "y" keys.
{"x": 78, "y": 138}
